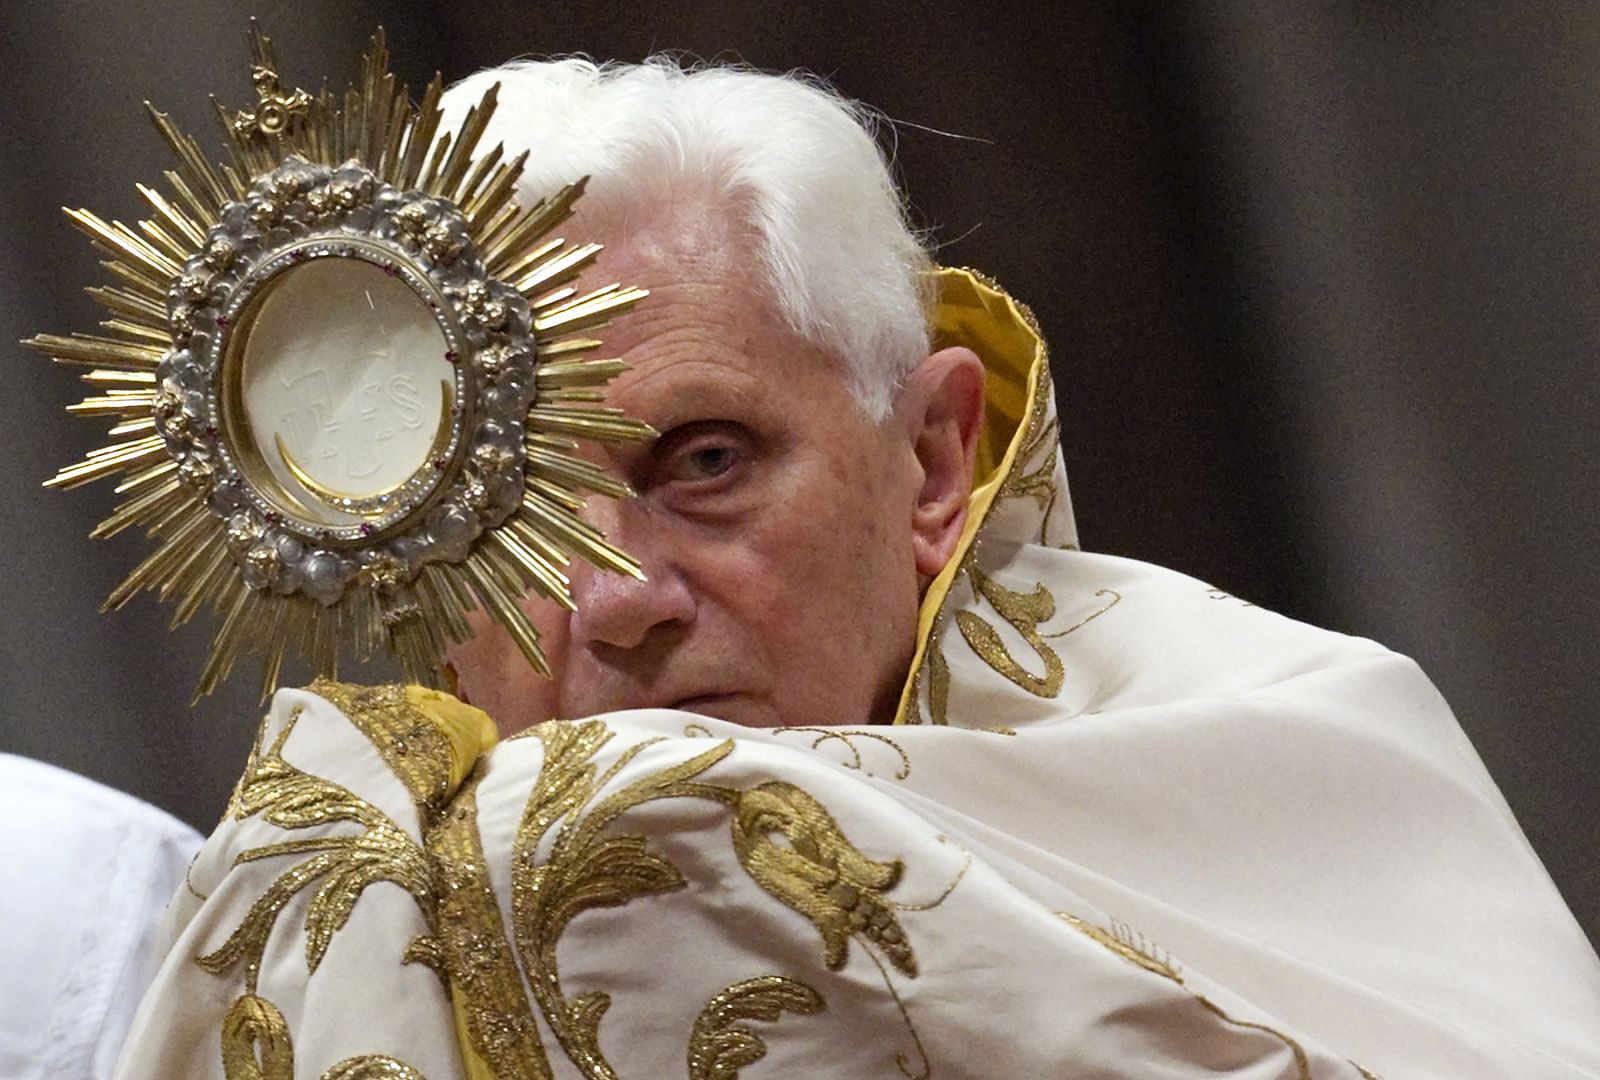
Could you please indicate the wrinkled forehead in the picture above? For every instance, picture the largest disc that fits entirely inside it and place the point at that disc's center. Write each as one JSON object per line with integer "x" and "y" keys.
{"x": 702, "y": 264}
{"x": 712, "y": 323}
{"x": 693, "y": 229}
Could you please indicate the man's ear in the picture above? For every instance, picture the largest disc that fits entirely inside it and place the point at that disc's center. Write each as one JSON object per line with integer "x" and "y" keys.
{"x": 942, "y": 406}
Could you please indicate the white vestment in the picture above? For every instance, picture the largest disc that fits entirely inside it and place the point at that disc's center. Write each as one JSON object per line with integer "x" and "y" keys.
{"x": 1129, "y": 826}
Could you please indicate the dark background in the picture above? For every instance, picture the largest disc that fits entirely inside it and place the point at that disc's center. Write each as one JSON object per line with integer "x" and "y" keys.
{"x": 1319, "y": 279}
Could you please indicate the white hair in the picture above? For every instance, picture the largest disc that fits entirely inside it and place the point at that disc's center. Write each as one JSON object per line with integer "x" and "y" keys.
{"x": 797, "y": 160}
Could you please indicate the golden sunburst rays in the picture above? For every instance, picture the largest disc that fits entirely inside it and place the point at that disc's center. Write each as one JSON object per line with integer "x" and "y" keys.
{"x": 501, "y": 520}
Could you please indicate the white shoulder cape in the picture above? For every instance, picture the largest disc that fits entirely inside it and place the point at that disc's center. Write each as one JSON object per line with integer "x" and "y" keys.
{"x": 1129, "y": 826}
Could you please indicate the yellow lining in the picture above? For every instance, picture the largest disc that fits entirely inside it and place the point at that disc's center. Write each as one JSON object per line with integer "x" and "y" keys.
{"x": 974, "y": 312}
{"x": 470, "y": 730}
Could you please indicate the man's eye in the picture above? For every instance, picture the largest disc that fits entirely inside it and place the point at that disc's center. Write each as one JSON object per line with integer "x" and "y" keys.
{"x": 711, "y": 461}
{"x": 697, "y": 464}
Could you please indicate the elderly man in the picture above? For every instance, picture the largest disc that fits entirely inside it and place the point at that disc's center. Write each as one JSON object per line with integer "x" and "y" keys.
{"x": 874, "y": 773}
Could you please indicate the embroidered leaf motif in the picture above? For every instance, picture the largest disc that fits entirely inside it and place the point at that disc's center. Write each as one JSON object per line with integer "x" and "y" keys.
{"x": 256, "y": 1046}
{"x": 345, "y": 865}
{"x": 255, "y": 1041}
{"x": 1037, "y": 483}
{"x": 719, "y": 1046}
{"x": 819, "y": 873}
{"x": 1126, "y": 946}
{"x": 289, "y": 798}
{"x": 1137, "y": 951}
{"x": 425, "y": 949}
{"x": 566, "y": 777}
{"x": 1024, "y": 611}
{"x": 380, "y": 854}
{"x": 249, "y": 940}
{"x": 585, "y": 869}
{"x": 608, "y": 873}
{"x": 372, "y": 1067}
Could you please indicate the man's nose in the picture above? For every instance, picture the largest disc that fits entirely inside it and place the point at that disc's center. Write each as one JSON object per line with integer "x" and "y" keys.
{"x": 618, "y": 610}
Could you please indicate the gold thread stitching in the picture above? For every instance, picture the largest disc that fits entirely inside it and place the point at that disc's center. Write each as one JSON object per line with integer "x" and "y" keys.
{"x": 253, "y": 1026}
{"x": 1017, "y": 482}
{"x": 1124, "y": 948}
{"x": 290, "y": 799}
{"x": 966, "y": 864}
{"x": 719, "y": 1047}
{"x": 586, "y": 870}
{"x": 1024, "y": 612}
{"x": 256, "y": 1046}
{"x": 847, "y": 736}
{"x": 820, "y": 874}
{"x": 410, "y": 744}
{"x": 188, "y": 882}
{"x": 478, "y": 959}
{"x": 1116, "y": 598}
{"x": 900, "y": 1058}
{"x": 372, "y": 1067}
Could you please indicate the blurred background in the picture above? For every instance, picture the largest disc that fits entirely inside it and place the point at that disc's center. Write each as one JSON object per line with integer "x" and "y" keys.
{"x": 1319, "y": 280}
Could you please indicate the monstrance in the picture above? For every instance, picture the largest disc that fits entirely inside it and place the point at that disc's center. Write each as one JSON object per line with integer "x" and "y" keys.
{"x": 347, "y": 375}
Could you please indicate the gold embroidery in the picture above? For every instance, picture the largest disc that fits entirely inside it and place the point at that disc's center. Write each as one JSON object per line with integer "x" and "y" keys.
{"x": 477, "y": 957}
{"x": 1116, "y": 598}
{"x": 256, "y": 1046}
{"x": 1024, "y": 612}
{"x": 428, "y": 950}
{"x": 410, "y": 744}
{"x": 1125, "y": 948}
{"x": 586, "y": 870}
{"x": 1219, "y": 594}
{"x": 235, "y": 809}
{"x": 697, "y": 731}
{"x": 1366, "y": 1074}
{"x": 344, "y": 865}
{"x": 719, "y": 1047}
{"x": 255, "y": 1041}
{"x": 1030, "y": 467}
{"x": 1038, "y": 483}
{"x": 848, "y": 737}
{"x": 188, "y": 882}
{"x": 372, "y": 1067}
{"x": 820, "y": 873}
{"x": 929, "y": 905}
{"x": 1039, "y": 430}
{"x": 1302, "y": 1062}
{"x": 900, "y": 1059}
{"x": 938, "y": 670}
